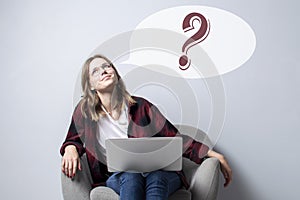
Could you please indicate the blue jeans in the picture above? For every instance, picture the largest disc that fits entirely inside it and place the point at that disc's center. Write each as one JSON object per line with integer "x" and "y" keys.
{"x": 154, "y": 185}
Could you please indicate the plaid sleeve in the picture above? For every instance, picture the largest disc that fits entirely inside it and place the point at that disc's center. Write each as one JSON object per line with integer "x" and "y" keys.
{"x": 75, "y": 135}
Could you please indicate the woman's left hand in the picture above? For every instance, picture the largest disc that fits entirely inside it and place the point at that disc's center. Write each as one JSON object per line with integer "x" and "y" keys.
{"x": 225, "y": 168}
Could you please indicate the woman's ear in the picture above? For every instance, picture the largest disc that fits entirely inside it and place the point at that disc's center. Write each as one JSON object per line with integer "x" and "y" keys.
{"x": 93, "y": 90}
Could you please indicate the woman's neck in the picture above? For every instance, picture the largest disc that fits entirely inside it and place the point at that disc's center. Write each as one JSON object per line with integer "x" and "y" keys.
{"x": 109, "y": 102}
{"x": 106, "y": 100}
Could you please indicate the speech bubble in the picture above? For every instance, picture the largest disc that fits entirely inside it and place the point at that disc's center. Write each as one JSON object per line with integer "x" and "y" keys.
{"x": 229, "y": 42}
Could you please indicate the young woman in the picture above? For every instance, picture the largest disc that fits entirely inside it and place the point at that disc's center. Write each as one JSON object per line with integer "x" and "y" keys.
{"x": 107, "y": 110}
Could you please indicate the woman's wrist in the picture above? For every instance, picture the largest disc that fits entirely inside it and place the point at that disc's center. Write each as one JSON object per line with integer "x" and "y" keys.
{"x": 212, "y": 153}
{"x": 70, "y": 147}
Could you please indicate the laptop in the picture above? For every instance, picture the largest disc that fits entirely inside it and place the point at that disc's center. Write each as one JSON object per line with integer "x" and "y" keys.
{"x": 144, "y": 154}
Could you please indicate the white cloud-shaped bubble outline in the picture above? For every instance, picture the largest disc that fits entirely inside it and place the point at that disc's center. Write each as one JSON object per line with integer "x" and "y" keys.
{"x": 230, "y": 43}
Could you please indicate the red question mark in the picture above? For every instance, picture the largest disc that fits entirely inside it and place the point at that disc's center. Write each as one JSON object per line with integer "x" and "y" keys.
{"x": 198, "y": 37}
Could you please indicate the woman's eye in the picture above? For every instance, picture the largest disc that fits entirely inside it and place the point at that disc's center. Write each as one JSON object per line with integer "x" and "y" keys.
{"x": 95, "y": 72}
{"x": 106, "y": 67}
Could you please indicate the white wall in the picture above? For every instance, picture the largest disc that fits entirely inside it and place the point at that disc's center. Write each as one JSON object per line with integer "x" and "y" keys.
{"x": 43, "y": 45}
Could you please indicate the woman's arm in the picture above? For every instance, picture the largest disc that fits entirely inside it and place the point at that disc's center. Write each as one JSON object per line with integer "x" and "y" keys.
{"x": 72, "y": 148}
{"x": 225, "y": 168}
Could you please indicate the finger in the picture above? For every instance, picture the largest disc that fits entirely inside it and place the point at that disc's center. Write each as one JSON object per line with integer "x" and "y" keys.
{"x": 74, "y": 167}
{"x": 79, "y": 165}
{"x": 66, "y": 168}
{"x": 227, "y": 182}
{"x": 228, "y": 179}
{"x": 63, "y": 165}
{"x": 70, "y": 169}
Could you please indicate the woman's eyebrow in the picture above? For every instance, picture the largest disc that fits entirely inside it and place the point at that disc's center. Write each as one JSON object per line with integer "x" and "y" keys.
{"x": 105, "y": 64}
{"x": 95, "y": 68}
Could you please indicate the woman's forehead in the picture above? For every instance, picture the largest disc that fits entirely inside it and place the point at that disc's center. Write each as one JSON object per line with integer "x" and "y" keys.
{"x": 97, "y": 62}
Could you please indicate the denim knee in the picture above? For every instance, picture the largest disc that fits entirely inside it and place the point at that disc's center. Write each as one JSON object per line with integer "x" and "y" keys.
{"x": 163, "y": 182}
{"x": 126, "y": 176}
{"x": 133, "y": 178}
{"x": 157, "y": 176}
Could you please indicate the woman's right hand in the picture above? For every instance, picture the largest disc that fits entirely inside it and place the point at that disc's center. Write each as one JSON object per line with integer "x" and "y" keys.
{"x": 70, "y": 161}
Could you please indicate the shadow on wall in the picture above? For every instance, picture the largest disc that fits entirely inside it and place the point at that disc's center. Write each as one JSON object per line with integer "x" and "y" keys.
{"x": 239, "y": 189}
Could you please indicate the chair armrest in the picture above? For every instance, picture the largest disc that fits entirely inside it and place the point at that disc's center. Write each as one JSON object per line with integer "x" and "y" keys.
{"x": 205, "y": 180}
{"x": 79, "y": 187}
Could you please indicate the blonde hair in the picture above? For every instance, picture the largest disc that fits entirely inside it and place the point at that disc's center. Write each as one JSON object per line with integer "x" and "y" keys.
{"x": 91, "y": 103}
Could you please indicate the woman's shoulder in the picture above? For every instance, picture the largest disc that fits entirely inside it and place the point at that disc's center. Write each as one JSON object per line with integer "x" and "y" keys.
{"x": 141, "y": 100}
{"x": 77, "y": 109}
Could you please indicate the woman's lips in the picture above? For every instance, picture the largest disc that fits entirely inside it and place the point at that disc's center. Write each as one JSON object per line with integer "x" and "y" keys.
{"x": 106, "y": 76}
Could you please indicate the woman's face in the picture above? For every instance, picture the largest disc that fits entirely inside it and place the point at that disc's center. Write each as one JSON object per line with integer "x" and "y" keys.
{"x": 102, "y": 75}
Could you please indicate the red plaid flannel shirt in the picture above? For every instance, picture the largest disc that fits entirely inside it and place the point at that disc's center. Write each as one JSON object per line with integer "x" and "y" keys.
{"x": 145, "y": 120}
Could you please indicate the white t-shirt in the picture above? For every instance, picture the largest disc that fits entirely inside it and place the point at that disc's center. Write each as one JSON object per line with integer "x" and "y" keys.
{"x": 110, "y": 128}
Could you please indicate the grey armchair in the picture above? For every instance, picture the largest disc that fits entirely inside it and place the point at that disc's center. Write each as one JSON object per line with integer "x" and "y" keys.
{"x": 204, "y": 183}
